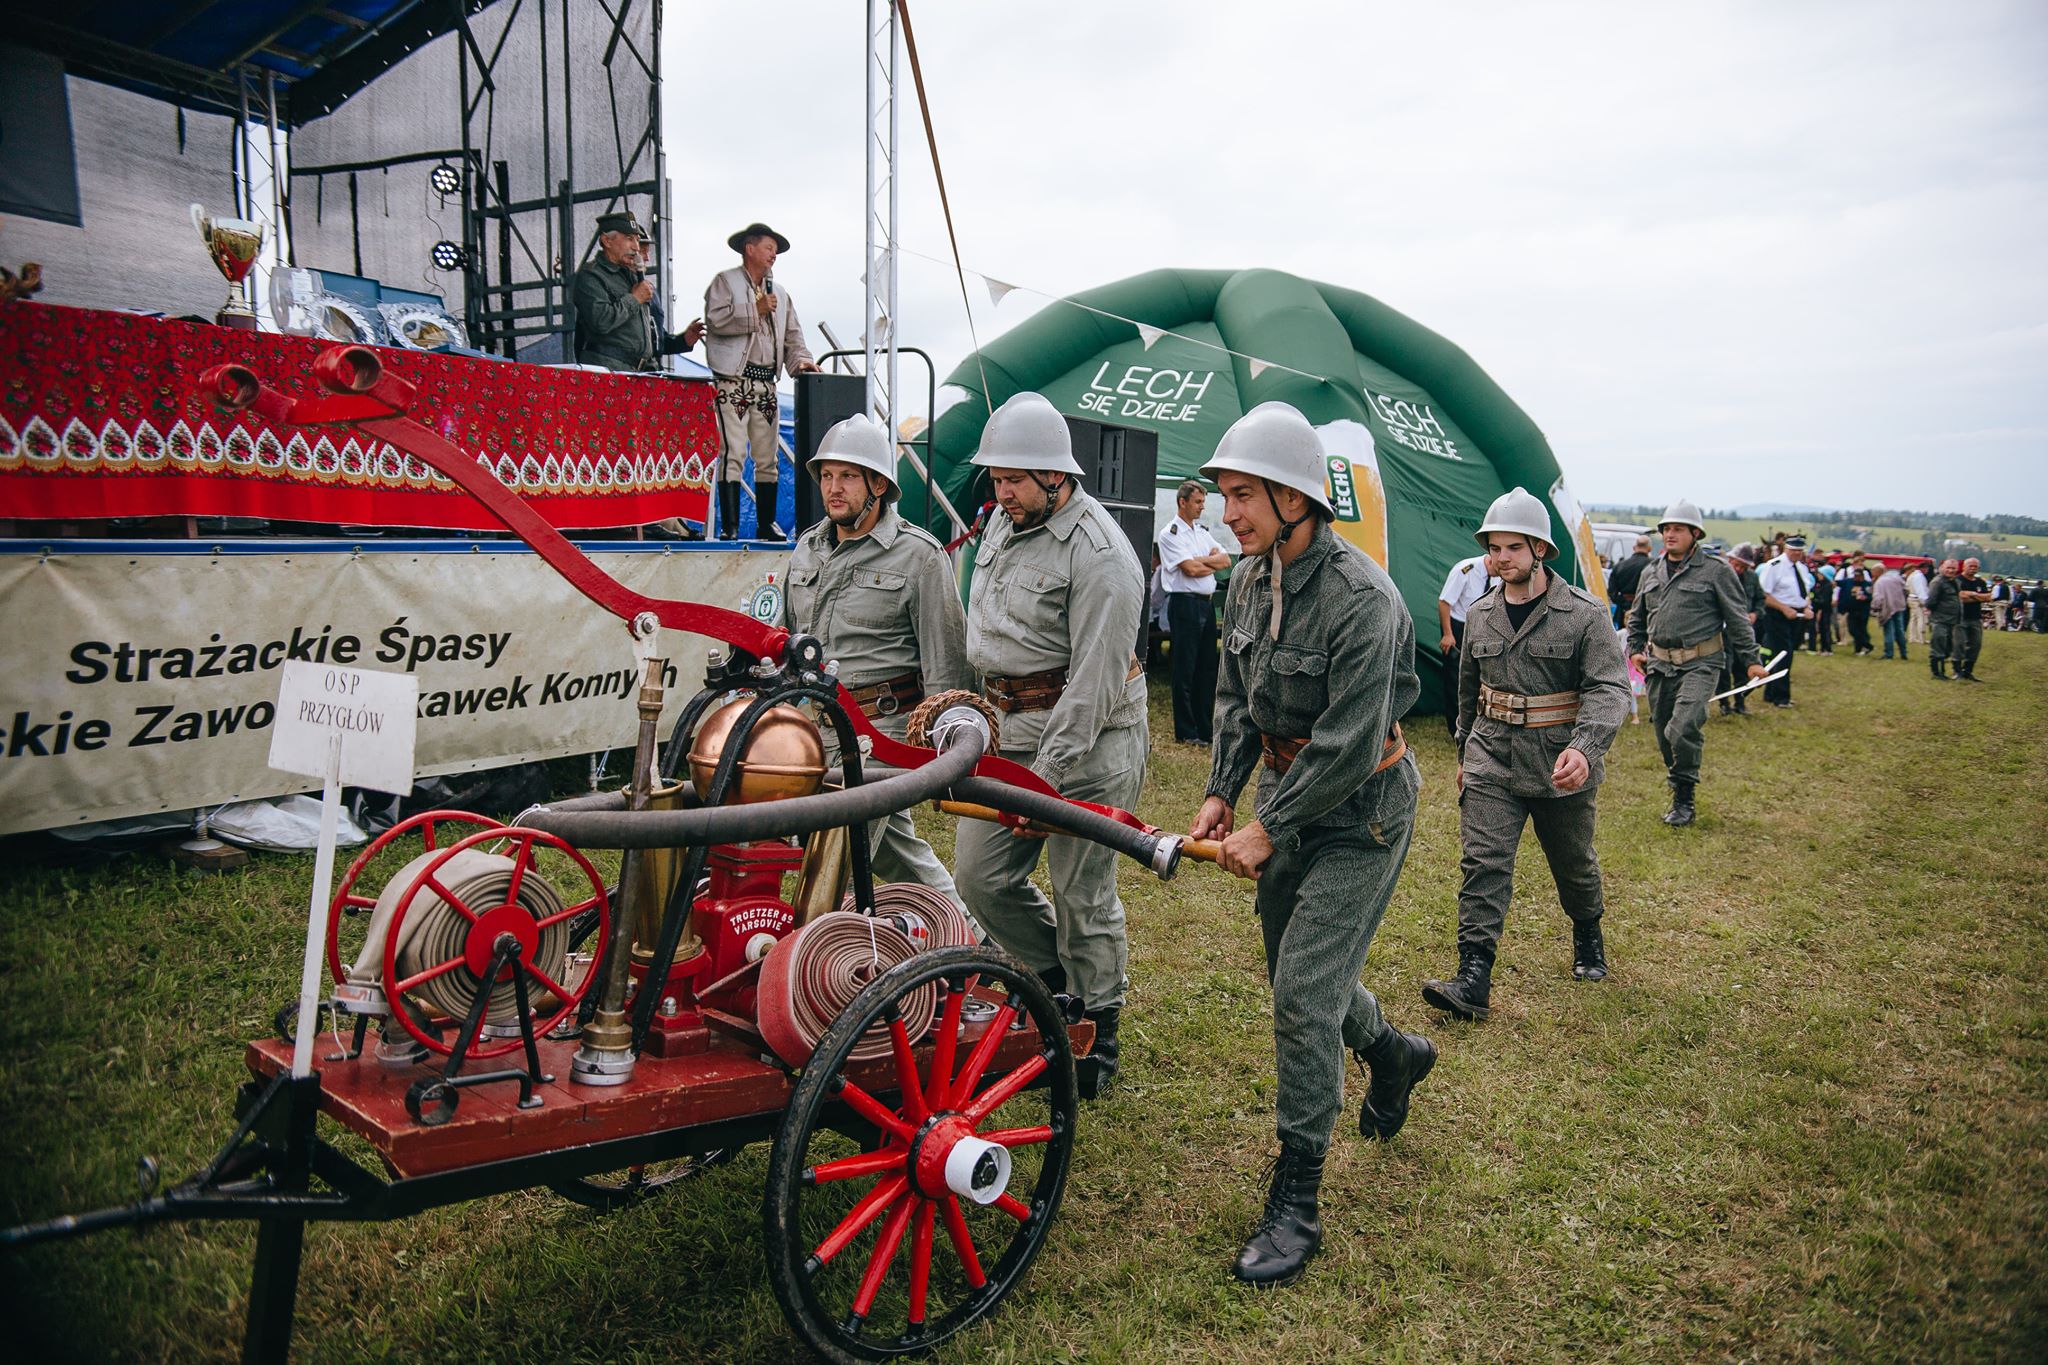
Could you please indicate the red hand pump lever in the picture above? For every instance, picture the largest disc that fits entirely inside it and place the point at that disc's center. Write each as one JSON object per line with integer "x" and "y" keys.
{"x": 367, "y": 398}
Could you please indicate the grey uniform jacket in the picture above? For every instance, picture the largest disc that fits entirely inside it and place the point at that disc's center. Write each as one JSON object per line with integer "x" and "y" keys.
{"x": 1340, "y": 675}
{"x": 1683, "y": 606}
{"x": 884, "y": 605}
{"x": 1067, "y": 594}
{"x": 730, "y": 323}
{"x": 1567, "y": 644}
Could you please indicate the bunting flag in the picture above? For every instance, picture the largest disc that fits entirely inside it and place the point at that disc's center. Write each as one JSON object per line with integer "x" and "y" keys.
{"x": 1259, "y": 367}
{"x": 997, "y": 290}
{"x": 1149, "y": 335}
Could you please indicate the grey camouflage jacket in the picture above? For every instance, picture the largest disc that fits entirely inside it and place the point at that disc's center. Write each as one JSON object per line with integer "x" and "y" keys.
{"x": 1682, "y": 606}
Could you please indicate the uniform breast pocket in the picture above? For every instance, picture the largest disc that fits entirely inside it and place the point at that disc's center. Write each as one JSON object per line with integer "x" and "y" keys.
{"x": 1301, "y": 680}
{"x": 874, "y": 597}
{"x": 803, "y": 599}
{"x": 1038, "y": 598}
{"x": 1486, "y": 649}
{"x": 1554, "y": 659}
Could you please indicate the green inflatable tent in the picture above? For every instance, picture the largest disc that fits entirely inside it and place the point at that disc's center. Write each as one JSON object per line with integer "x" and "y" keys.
{"x": 1419, "y": 439}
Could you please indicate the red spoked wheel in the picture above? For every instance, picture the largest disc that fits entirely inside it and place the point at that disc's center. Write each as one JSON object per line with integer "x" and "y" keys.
{"x": 907, "y": 1196}
{"x": 367, "y": 875}
{"x": 471, "y": 897}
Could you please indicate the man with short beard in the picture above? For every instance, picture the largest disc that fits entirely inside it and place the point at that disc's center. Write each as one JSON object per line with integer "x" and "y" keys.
{"x": 1944, "y": 619}
{"x": 878, "y": 593}
{"x": 1688, "y": 609}
{"x": 1052, "y": 620}
{"x": 1542, "y": 691}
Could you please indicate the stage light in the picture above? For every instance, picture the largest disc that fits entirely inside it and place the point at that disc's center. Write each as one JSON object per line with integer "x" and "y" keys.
{"x": 447, "y": 255}
{"x": 445, "y": 180}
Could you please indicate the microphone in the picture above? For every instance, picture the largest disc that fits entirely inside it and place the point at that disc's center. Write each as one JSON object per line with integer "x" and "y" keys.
{"x": 768, "y": 285}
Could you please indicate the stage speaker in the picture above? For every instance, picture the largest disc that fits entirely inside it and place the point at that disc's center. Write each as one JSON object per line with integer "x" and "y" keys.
{"x": 1118, "y": 464}
{"x": 822, "y": 402}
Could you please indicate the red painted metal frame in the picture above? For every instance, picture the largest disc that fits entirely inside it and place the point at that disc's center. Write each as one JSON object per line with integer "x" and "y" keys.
{"x": 376, "y": 403}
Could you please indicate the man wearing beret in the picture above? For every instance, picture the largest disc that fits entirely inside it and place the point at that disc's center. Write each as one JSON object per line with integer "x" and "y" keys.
{"x": 754, "y": 337}
{"x": 615, "y": 325}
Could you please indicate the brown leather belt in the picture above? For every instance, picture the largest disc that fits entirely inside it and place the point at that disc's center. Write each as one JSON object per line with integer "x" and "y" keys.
{"x": 1545, "y": 709}
{"x": 889, "y": 696}
{"x": 1281, "y": 752}
{"x": 1713, "y": 644}
{"x": 1035, "y": 691}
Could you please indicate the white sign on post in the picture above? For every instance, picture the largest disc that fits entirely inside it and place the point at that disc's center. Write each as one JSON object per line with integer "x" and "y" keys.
{"x": 345, "y": 726}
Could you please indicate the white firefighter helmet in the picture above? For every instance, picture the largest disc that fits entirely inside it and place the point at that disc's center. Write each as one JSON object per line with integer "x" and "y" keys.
{"x": 1027, "y": 432}
{"x": 858, "y": 441}
{"x": 1274, "y": 442}
{"x": 1685, "y": 513}
{"x": 1521, "y": 512}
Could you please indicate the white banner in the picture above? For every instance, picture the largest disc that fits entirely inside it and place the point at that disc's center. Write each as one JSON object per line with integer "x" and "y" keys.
{"x": 139, "y": 682}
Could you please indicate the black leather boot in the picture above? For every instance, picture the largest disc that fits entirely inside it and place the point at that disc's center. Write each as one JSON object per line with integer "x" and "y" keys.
{"x": 1094, "y": 1072}
{"x": 1290, "y": 1231}
{"x": 1681, "y": 812}
{"x": 728, "y": 510}
{"x": 1396, "y": 1064}
{"x": 1469, "y": 993}
{"x": 1939, "y": 667}
{"x": 1589, "y": 951}
{"x": 765, "y": 527}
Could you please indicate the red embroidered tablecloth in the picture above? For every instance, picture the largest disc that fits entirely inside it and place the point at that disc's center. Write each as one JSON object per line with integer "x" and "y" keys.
{"x": 98, "y": 419}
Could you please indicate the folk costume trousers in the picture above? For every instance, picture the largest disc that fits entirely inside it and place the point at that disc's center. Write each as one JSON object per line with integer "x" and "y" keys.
{"x": 1319, "y": 906}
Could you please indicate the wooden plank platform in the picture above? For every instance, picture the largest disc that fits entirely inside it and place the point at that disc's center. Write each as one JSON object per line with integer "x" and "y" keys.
{"x": 728, "y": 1081}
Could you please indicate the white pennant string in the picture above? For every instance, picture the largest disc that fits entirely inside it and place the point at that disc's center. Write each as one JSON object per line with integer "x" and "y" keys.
{"x": 1259, "y": 367}
{"x": 997, "y": 290}
{"x": 1149, "y": 335}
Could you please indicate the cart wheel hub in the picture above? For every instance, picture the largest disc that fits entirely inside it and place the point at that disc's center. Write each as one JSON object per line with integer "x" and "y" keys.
{"x": 482, "y": 941}
{"x": 948, "y": 1156}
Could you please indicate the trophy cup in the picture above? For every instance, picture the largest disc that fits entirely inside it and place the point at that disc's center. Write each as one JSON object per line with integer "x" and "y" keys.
{"x": 233, "y": 244}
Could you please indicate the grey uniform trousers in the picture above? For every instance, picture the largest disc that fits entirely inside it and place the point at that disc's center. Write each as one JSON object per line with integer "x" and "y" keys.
{"x": 1081, "y": 929}
{"x": 1678, "y": 708}
{"x": 1319, "y": 906}
{"x": 1490, "y": 821}
{"x": 897, "y": 853}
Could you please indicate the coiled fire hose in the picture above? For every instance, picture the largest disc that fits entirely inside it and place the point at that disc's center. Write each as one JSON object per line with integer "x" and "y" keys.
{"x": 927, "y": 917}
{"x": 433, "y": 931}
{"x": 809, "y": 979}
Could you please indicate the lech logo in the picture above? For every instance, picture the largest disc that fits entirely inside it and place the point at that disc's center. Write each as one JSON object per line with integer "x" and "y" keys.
{"x": 1343, "y": 497}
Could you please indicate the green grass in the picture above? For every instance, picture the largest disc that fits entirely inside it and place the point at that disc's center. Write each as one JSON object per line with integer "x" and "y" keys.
{"x": 1807, "y": 1118}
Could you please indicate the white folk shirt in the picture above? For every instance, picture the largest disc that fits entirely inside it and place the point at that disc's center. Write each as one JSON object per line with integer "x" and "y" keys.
{"x": 1465, "y": 584}
{"x": 1178, "y": 543}
{"x": 1788, "y": 582}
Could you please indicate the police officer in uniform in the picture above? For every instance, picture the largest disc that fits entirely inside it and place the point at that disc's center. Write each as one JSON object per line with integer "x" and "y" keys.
{"x": 1051, "y": 621}
{"x": 615, "y": 325}
{"x": 878, "y": 592}
{"x": 1318, "y": 666}
{"x": 1542, "y": 690}
{"x": 1688, "y": 608}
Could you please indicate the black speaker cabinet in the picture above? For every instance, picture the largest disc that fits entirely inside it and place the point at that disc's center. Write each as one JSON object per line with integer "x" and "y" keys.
{"x": 822, "y": 402}
{"x": 1118, "y": 464}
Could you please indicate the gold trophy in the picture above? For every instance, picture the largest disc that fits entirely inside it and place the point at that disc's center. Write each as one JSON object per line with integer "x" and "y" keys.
{"x": 233, "y": 243}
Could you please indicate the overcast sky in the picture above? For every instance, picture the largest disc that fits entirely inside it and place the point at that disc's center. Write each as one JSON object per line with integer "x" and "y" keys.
{"x": 1738, "y": 252}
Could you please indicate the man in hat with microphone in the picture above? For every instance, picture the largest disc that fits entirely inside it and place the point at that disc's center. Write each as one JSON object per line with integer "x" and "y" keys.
{"x": 1542, "y": 691}
{"x": 1318, "y": 667}
{"x": 1688, "y": 609}
{"x": 615, "y": 322}
{"x": 1052, "y": 620}
{"x": 878, "y": 592}
{"x": 753, "y": 338}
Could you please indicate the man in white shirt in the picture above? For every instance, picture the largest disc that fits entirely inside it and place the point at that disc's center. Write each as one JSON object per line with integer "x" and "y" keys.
{"x": 1465, "y": 584}
{"x": 1788, "y": 590}
{"x": 1916, "y": 605}
{"x": 1189, "y": 559}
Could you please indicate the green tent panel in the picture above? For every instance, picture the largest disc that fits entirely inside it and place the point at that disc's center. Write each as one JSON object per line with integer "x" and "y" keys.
{"x": 1420, "y": 440}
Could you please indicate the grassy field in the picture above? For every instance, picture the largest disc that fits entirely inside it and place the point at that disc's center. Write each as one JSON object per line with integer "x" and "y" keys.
{"x": 1806, "y": 1118}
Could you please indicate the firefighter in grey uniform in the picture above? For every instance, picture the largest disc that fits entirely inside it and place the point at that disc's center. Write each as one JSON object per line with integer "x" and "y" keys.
{"x": 1052, "y": 620}
{"x": 879, "y": 594}
{"x": 1542, "y": 690}
{"x": 1688, "y": 608}
{"x": 1318, "y": 666}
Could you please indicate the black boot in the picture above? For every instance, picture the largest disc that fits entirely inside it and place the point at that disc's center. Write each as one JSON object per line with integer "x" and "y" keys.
{"x": 728, "y": 510}
{"x": 1589, "y": 950}
{"x": 765, "y": 527}
{"x": 1939, "y": 667}
{"x": 1681, "y": 811}
{"x": 1290, "y": 1231}
{"x": 1094, "y": 1072}
{"x": 1467, "y": 994}
{"x": 1396, "y": 1063}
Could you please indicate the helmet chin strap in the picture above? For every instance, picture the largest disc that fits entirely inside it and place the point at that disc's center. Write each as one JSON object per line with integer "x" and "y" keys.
{"x": 1051, "y": 491}
{"x": 1272, "y": 555}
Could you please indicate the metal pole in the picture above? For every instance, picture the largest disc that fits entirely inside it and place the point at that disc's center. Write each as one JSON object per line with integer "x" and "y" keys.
{"x": 890, "y": 422}
{"x": 877, "y": 403}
